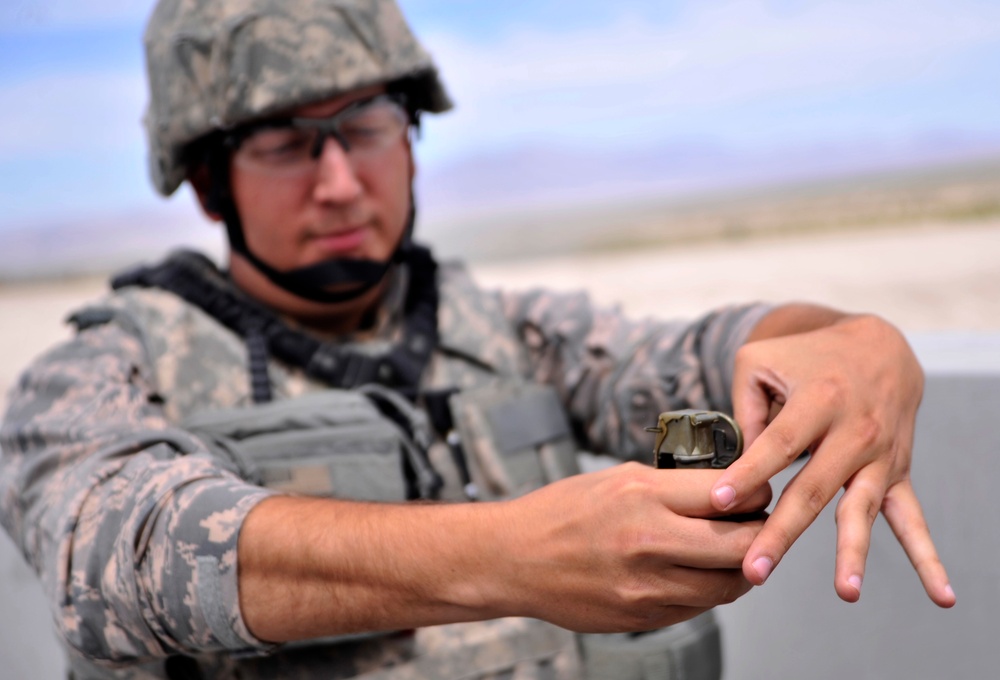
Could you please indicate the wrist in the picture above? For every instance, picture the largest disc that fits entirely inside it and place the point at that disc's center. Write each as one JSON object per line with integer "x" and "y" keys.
{"x": 794, "y": 318}
{"x": 479, "y": 543}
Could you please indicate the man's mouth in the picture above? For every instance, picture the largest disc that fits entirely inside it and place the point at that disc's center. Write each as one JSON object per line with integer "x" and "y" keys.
{"x": 341, "y": 242}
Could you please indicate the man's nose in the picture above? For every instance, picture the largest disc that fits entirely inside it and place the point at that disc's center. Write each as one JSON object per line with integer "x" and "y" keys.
{"x": 336, "y": 179}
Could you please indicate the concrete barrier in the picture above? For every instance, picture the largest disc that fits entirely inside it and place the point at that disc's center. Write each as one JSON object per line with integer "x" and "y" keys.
{"x": 796, "y": 627}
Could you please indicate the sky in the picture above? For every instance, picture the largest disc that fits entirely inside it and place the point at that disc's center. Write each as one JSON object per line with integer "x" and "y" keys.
{"x": 746, "y": 74}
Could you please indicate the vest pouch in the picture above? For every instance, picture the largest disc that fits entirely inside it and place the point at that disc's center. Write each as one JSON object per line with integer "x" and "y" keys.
{"x": 517, "y": 434}
{"x": 690, "y": 650}
{"x": 333, "y": 443}
{"x": 516, "y": 648}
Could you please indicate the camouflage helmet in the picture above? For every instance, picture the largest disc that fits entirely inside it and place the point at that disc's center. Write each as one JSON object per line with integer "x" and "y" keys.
{"x": 214, "y": 64}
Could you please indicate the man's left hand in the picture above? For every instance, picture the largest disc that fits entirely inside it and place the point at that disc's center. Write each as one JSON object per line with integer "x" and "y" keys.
{"x": 848, "y": 388}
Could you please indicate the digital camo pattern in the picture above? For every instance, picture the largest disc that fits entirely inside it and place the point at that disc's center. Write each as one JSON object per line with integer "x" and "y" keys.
{"x": 113, "y": 506}
{"x": 132, "y": 525}
{"x": 504, "y": 649}
{"x": 615, "y": 376}
{"x": 213, "y": 64}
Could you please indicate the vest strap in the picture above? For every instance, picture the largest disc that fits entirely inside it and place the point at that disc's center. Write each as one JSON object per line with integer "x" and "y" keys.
{"x": 194, "y": 278}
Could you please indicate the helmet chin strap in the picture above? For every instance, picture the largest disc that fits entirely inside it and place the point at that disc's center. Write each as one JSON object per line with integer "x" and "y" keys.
{"x": 352, "y": 277}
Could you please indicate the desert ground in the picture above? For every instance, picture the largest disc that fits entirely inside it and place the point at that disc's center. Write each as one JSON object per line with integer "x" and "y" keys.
{"x": 924, "y": 278}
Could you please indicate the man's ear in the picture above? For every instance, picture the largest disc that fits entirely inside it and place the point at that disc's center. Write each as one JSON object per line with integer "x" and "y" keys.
{"x": 412, "y": 160}
{"x": 201, "y": 182}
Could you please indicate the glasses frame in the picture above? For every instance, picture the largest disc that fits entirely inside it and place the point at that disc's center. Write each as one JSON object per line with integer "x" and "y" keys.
{"x": 327, "y": 127}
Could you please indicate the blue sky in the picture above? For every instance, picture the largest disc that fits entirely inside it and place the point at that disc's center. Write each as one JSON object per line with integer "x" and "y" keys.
{"x": 752, "y": 74}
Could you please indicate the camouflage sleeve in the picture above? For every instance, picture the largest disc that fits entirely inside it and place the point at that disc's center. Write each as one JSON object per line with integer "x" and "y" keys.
{"x": 130, "y": 524}
{"x": 615, "y": 375}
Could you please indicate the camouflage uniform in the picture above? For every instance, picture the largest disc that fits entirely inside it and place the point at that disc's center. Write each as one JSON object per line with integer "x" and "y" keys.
{"x": 132, "y": 523}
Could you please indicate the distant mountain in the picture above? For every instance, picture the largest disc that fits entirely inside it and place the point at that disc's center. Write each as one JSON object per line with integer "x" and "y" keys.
{"x": 461, "y": 201}
{"x": 553, "y": 175}
{"x": 99, "y": 244}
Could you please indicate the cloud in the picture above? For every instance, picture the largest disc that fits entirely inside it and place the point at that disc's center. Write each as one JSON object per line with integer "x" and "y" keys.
{"x": 634, "y": 75}
{"x": 73, "y": 113}
{"x": 710, "y": 57}
{"x": 62, "y": 14}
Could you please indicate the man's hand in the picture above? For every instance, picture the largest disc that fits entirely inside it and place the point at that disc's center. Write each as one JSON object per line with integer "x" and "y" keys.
{"x": 848, "y": 388}
{"x": 625, "y": 549}
{"x": 630, "y": 548}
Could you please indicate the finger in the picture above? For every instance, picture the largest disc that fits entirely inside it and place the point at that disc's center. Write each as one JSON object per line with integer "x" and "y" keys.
{"x": 856, "y": 513}
{"x": 800, "y": 503}
{"x": 693, "y": 587}
{"x": 752, "y": 401}
{"x": 905, "y": 517}
{"x": 794, "y": 429}
{"x": 686, "y": 492}
{"x": 703, "y": 543}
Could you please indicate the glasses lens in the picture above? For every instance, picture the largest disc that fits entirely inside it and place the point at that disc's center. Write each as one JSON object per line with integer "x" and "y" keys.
{"x": 292, "y": 148}
{"x": 372, "y": 127}
{"x": 279, "y": 150}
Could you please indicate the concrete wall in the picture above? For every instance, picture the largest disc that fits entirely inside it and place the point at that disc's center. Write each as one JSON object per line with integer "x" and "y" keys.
{"x": 795, "y": 626}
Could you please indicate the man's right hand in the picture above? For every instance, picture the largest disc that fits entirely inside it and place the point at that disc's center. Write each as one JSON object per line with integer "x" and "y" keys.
{"x": 629, "y": 548}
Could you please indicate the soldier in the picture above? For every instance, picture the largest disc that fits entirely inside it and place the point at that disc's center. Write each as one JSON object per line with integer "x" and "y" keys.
{"x": 209, "y": 477}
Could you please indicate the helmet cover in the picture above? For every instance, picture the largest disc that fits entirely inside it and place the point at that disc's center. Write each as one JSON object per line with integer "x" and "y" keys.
{"x": 215, "y": 64}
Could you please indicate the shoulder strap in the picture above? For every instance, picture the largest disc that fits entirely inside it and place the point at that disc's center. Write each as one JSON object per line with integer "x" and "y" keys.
{"x": 196, "y": 279}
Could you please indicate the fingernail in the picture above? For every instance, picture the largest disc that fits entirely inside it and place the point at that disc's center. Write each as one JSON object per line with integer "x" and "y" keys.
{"x": 726, "y": 496}
{"x": 763, "y": 567}
{"x": 949, "y": 591}
{"x": 855, "y": 582}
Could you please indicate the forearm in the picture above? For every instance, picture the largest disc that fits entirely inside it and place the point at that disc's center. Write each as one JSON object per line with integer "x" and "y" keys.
{"x": 615, "y": 375}
{"x": 314, "y": 567}
{"x": 609, "y": 551}
{"x": 128, "y": 521}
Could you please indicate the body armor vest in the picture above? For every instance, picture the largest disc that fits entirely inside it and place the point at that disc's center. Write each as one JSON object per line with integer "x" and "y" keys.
{"x": 470, "y": 427}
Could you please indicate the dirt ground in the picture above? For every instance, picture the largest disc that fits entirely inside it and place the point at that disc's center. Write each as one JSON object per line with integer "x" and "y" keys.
{"x": 927, "y": 278}
{"x": 937, "y": 277}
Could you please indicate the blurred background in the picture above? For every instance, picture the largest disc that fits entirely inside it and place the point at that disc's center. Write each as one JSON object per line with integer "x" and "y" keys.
{"x": 581, "y": 127}
{"x": 668, "y": 156}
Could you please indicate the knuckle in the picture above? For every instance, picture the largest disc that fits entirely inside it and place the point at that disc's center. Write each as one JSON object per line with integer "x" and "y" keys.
{"x": 784, "y": 439}
{"x": 832, "y": 390}
{"x": 748, "y": 534}
{"x": 635, "y": 472}
{"x": 868, "y": 431}
{"x": 634, "y": 595}
{"x": 635, "y": 546}
{"x": 866, "y": 508}
{"x": 893, "y": 506}
{"x": 763, "y": 497}
{"x": 781, "y": 537}
{"x": 736, "y": 587}
{"x": 870, "y": 510}
{"x": 631, "y": 467}
{"x": 629, "y": 480}
{"x": 812, "y": 497}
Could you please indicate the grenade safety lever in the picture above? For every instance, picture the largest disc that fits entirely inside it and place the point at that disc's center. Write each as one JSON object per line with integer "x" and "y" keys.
{"x": 696, "y": 439}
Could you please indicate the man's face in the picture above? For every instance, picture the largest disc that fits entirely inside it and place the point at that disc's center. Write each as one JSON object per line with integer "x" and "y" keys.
{"x": 349, "y": 205}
